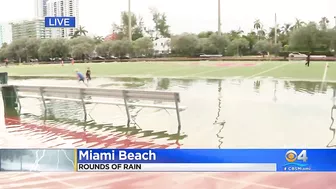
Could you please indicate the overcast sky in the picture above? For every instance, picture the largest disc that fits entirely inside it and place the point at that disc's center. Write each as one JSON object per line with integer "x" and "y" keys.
{"x": 185, "y": 15}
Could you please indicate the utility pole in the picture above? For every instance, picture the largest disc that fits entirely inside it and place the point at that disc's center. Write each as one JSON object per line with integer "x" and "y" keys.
{"x": 335, "y": 22}
{"x": 219, "y": 18}
{"x": 275, "y": 29}
{"x": 129, "y": 21}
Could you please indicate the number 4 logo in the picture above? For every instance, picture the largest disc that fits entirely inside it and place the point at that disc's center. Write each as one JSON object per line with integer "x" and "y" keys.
{"x": 303, "y": 156}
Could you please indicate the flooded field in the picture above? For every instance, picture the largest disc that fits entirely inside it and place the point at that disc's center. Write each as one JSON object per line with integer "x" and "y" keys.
{"x": 220, "y": 113}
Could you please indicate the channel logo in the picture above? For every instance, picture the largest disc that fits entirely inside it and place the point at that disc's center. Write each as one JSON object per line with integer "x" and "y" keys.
{"x": 296, "y": 161}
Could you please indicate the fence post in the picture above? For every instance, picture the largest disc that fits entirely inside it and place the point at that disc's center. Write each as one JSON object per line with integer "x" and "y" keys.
{"x": 126, "y": 107}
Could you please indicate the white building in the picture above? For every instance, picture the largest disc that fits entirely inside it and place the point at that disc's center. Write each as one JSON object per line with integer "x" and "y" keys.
{"x": 40, "y": 8}
{"x": 162, "y": 46}
{"x": 5, "y": 34}
{"x": 30, "y": 28}
{"x": 63, "y": 8}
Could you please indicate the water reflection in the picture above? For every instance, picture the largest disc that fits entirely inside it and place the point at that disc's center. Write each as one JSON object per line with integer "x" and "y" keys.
{"x": 331, "y": 127}
{"x": 247, "y": 106}
{"x": 275, "y": 90}
{"x": 222, "y": 123}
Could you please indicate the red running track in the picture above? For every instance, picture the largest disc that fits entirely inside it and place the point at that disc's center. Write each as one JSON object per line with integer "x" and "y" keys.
{"x": 12, "y": 180}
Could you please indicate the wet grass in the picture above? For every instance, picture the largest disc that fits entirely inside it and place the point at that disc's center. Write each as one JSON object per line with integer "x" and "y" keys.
{"x": 295, "y": 70}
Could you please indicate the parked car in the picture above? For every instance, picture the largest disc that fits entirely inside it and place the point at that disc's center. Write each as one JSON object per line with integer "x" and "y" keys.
{"x": 210, "y": 55}
{"x": 297, "y": 55}
{"x": 98, "y": 58}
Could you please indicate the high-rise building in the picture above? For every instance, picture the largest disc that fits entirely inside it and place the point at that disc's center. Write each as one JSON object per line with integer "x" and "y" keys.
{"x": 40, "y": 8}
{"x": 5, "y": 34}
{"x": 30, "y": 28}
{"x": 63, "y": 8}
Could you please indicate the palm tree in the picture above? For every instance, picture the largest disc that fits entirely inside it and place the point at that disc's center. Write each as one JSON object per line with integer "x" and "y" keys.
{"x": 261, "y": 33}
{"x": 324, "y": 23}
{"x": 79, "y": 32}
{"x": 257, "y": 25}
{"x": 285, "y": 29}
{"x": 98, "y": 39}
{"x": 298, "y": 24}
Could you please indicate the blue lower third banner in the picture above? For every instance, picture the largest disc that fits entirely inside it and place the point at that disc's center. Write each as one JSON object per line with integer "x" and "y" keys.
{"x": 206, "y": 160}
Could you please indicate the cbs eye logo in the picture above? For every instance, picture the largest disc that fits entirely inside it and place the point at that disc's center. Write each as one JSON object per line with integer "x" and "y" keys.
{"x": 291, "y": 156}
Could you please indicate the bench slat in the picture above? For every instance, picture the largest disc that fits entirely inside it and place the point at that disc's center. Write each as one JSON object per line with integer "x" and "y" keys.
{"x": 106, "y": 102}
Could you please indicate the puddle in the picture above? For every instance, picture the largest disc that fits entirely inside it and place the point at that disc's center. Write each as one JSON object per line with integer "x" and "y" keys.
{"x": 220, "y": 113}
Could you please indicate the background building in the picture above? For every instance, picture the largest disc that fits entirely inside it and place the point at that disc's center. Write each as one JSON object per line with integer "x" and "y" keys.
{"x": 40, "y": 8}
{"x": 162, "y": 46}
{"x": 5, "y": 34}
{"x": 30, "y": 28}
{"x": 63, "y": 8}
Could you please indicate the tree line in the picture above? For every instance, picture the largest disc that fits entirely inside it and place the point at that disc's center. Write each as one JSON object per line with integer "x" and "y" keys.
{"x": 301, "y": 36}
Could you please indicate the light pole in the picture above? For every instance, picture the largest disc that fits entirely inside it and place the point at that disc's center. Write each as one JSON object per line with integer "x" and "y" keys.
{"x": 335, "y": 22}
{"x": 219, "y": 18}
{"x": 129, "y": 21}
{"x": 275, "y": 29}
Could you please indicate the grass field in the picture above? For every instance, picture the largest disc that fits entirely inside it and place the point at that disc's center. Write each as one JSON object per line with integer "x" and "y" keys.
{"x": 318, "y": 71}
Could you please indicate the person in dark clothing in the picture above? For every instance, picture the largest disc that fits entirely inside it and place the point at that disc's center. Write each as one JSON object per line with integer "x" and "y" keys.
{"x": 6, "y": 62}
{"x": 308, "y": 59}
{"x": 88, "y": 74}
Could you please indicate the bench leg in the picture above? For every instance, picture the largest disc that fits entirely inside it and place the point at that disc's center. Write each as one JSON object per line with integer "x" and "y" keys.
{"x": 18, "y": 99}
{"x": 177, "y": 113}
{"x": 84, "y": 109}
{"x": 43, "y": 101}
{"x": 127, "y": 110}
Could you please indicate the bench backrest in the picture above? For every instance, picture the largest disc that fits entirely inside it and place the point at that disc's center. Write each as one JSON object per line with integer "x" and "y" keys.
{"x": 99, "y": 92}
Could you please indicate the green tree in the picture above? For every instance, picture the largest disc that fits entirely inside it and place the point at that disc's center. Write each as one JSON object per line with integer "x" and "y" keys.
{"x": 205, "y": 34}
{"x": 143, "y": 46}
{"x": 271, "y": 34}
{"x": 32, "y": 45}
{"x": 205, "y": 46}
{"x": 81, "y": 47}
{"x": 257, "y": 25}
{"x": 284, "y": 34}
{"x": 105, "y": 49}
{"x": 98, "y": 39}
{"x": 298, "y": 24}
{"x": 121, "y": 47}
{"x": 234, "y": 34}
{"x": 306, "y": 38}
{"x": 122, "y": 29}
{"x": 81, "y": 31}
{"x": 237, "y": 46}
{"x": 219, "y": 42}
{"x": 185, "y": 44}
{"x": 332, "y": 37}
{"x": 160, "y": 24}
{"x": 252, "y": 38}
{"x": 17, "y": 49}
{"x": 324, "y": 23}
{"x": 263, "y": 46}
{"x": 53, "y": 48}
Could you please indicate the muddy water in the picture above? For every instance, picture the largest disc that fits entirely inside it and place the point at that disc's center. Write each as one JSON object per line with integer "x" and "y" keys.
{"x": 219, "y": 114}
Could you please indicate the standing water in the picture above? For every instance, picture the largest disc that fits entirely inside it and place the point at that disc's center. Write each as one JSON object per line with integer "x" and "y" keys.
{"x": 220, "y": 113}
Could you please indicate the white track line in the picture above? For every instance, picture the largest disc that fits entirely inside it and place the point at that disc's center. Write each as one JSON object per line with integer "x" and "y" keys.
{"x": 271, "y": 69}
{"x": 325, "y": 72}
{"x": 324, "y": 76}
{"x": 209, "y": 71}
